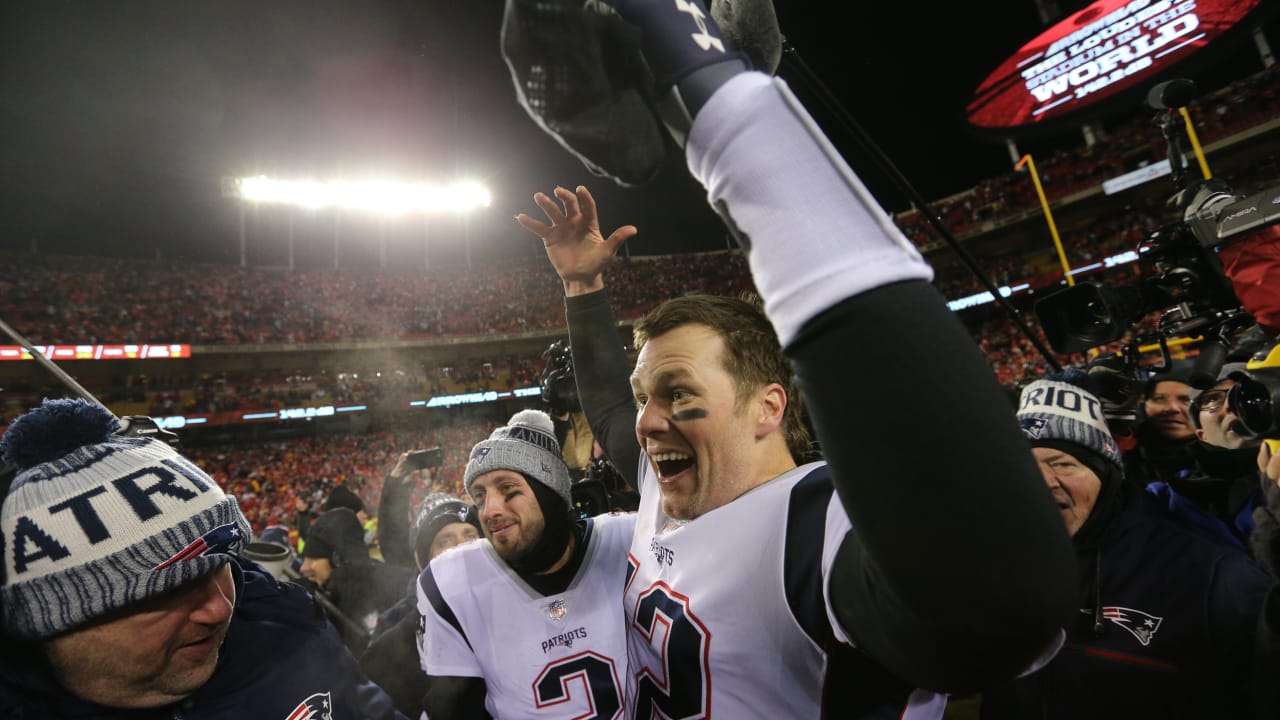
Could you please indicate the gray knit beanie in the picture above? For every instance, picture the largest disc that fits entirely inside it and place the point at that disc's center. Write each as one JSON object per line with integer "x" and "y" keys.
{"x": 527, "y": 445}
{"x": 94, "y": 522}
{"x": 1053, "y": 410}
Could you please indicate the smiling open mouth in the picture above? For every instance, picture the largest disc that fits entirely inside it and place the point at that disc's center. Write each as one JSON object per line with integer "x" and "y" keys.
{"x": 671, "y": 463}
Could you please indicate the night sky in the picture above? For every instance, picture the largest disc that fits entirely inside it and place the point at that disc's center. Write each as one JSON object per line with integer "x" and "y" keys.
{"x": 120, "y": 118}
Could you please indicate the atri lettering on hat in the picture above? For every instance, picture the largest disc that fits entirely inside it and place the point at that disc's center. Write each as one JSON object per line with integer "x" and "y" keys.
{"x": 42, "y": 533}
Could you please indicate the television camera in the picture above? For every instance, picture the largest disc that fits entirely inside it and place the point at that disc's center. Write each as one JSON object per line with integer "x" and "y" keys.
{"x": 559, "y": 388}
{"x": 1183, "y": 279}
{"x": 601, "y": 489}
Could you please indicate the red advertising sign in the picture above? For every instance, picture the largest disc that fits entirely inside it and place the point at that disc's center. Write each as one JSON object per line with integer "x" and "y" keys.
{"x": 1109, "y": 47}
{"x": 99, "y": 352}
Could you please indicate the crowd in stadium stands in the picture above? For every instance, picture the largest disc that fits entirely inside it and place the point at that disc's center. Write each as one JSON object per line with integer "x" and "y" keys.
{"x": 1239, "y": 106}
{"x": 80, "y": 300}
{"x": 268, "y": 479}
{"x": 59, "y": 300}
{"x": 260, "y": 391}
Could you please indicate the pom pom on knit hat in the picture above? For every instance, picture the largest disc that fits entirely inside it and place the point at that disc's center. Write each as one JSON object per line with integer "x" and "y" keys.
{"x": 527, "y": 445}
{"x": 1061, "y": 408}
{"x": 60, "y": 427}
{"x": 94, "y": 522}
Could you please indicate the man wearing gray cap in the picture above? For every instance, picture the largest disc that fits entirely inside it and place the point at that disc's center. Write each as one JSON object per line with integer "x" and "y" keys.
{"x": 511, "y": 619}
{"x": 124, "y": 590}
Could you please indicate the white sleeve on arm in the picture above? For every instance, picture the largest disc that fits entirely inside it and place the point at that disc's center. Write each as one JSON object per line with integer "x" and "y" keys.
{"x": 813, "y": 232}
{"x": 445, "y": 652}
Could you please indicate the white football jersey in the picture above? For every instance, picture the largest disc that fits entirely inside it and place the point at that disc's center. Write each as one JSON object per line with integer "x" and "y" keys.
{"x": 728, "y": 614}
{"x": 541, "y": 656}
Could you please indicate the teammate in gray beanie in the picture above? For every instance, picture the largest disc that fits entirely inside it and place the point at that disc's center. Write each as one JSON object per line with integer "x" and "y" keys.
{"x": 94, "y": 521}
{"x": 527, "y": 445}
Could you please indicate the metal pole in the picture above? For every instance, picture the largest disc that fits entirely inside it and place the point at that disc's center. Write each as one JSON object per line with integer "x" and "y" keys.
{"x": 49, "y": 365}
{"x": 1195, "y": 144}
{"x": 1014, "y": 154}
{"x": 1264, "y": 48}
{"x": 1048, "y": 215}
{"x": 292, "y": 213}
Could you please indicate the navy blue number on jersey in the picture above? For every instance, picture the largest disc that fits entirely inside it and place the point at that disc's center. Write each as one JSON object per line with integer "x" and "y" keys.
{"x": 682, "y": 689}
{"x": 599, "y": 677}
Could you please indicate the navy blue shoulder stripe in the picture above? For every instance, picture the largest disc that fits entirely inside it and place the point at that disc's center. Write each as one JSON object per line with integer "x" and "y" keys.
{"x": 802, "y": 553}
{"x": 427, "y": 580}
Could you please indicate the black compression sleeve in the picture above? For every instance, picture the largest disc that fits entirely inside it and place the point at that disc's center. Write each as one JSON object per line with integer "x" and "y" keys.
{"x": 958, "y": 569}
{"x": 603, "y": 373}
{"x": 393, "y": 523}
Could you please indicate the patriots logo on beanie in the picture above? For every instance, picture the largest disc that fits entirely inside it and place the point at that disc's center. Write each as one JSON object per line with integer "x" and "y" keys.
{"x": 527, "y": 445}
{"x": 95, "y": 521}
{"x": 1033, "y": 427}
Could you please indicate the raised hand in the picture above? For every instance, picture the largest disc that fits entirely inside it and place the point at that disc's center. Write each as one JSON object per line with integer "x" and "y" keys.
{"x": 575, "y": 246}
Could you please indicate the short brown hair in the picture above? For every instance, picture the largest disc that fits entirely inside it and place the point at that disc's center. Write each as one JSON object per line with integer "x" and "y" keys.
{"x": 753, "y": 355}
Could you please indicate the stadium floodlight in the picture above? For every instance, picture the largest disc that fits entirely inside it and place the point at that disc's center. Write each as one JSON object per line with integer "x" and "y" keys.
{"x": 384, "y": 197}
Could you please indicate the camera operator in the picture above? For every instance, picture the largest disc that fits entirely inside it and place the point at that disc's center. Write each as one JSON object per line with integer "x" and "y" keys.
{"x": 1218, "y": 496}
{"x": 560, "y": 395}
{"x": 597, "y": 485}
{"x": 1157, "y": 449}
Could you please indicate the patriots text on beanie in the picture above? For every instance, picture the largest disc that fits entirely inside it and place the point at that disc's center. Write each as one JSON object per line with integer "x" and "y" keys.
{"x": 1054, "y": 410}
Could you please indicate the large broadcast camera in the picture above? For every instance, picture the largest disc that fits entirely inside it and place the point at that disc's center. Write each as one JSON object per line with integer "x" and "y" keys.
{"x": 559, "y": 388}
{"x": 1183, "y": 279}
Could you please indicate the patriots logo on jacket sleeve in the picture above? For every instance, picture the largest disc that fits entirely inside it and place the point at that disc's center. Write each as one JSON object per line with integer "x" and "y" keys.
{"x": 1141, "y": 625}
{"x": 316, "y": 707}
{"x": 222, "y": 539}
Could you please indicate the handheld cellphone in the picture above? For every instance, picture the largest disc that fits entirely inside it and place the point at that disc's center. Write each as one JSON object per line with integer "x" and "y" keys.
{"x": 424, "y": 459}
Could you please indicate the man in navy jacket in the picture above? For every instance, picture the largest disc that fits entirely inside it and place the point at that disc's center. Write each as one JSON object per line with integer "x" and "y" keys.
{"x": 1167, "y": 618}
{"x": 124, "y": 595}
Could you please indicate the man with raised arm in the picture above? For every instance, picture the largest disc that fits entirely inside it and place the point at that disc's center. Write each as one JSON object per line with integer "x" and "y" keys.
{"x": 909, "y": 562}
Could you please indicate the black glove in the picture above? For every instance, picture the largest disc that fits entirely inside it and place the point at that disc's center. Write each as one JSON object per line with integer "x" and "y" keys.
{"x": 678, "y": 37}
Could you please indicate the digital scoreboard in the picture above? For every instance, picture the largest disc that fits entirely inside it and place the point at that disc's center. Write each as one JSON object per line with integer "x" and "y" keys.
{"x": 1096, "y": 53}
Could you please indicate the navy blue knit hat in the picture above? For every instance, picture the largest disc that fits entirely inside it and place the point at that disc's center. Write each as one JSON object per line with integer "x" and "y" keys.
{"x": 439, "y": 511}
{"x": 94, "y": 521}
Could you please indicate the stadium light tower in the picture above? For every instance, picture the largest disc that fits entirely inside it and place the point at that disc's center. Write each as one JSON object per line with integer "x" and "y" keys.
{"x": 386, "y": 198}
